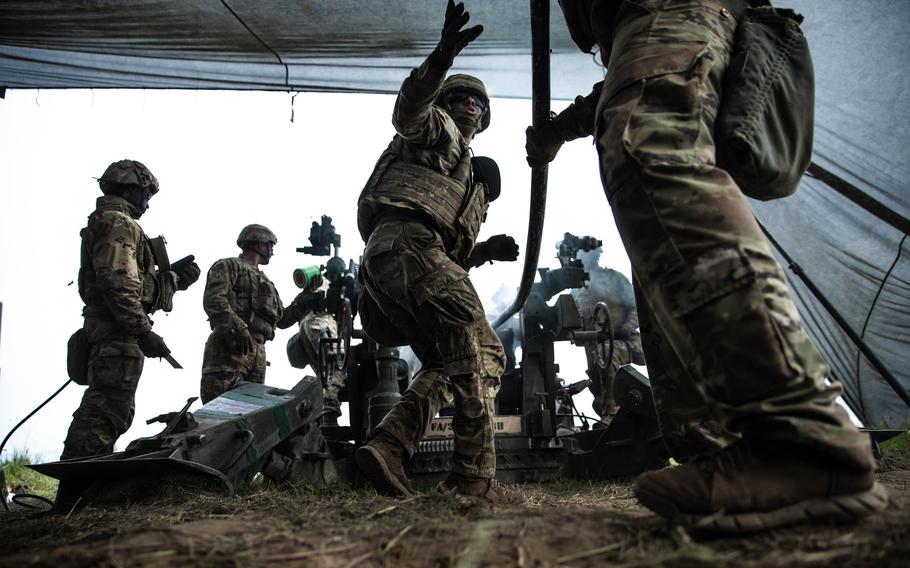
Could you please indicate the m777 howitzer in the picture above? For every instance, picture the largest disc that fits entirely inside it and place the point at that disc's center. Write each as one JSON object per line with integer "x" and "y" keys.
{"x": 535, "y": 437}
{"x": 223, "y": 444}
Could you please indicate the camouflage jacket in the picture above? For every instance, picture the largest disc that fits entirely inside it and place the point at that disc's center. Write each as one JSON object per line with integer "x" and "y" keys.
{"x": 426, "y": 169}
{"x": 238, "y": 295}
{"x": 117, "y": 278}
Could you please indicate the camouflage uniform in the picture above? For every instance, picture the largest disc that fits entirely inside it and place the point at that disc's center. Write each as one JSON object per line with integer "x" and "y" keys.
{"x": 614, "y": 288}
{"x": 238, "y": 296}
{"x": 420, "y": 214}
{"x": 312, "y": 327}
{"x": 705, "y": 276}
{"x": 119, "y": 286}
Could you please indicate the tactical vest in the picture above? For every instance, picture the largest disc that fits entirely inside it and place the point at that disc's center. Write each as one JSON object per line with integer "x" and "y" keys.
{"x": 89, "y": 290}
{"x": 454, "y": 203}
{"x": 255, "y": 300}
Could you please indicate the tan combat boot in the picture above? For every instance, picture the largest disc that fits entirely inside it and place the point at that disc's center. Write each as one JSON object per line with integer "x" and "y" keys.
{"x": 488, "y": 489}
{"x": 749, "y": 487}
{"x": 382, "y": 463}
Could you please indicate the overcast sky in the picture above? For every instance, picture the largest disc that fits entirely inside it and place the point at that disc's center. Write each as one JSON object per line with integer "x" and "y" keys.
{"x": 223, "y": 160}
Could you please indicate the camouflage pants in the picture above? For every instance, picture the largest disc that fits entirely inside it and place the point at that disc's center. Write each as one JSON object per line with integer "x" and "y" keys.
{"x": 416, "y": 292}
{"x": 311, "y": 329}
{"x": 108, "y": 405}
{"x": 604, "y": 403}
{"x": 707, "y": 279}
{"x": 220, "y": 366}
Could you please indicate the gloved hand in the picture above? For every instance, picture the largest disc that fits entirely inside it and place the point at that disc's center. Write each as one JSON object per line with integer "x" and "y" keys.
{"x": 453, "y": 39}
{"x": 243, "y": 341}
{"x": 152, "y": 345}
{"x": 502, "y": 247}
{"x": 497, "y": 247}
{"x": 187, "y": 274}
{"x": 542, "y": 143}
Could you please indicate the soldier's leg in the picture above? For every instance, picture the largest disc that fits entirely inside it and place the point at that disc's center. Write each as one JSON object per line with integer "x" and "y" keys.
{"x": 409, "y": 419}
{"x": 472, "y": 357}
{"x": 220, "y": 367}
{"x": 703, "y": 264}
{"x": 682, "y": 410}
{"x": 608, "y": 401}
{"x": 595, "y": 373}
{"x": 257, "y": 365}
{"x": 107, "y": 407}
{"x": 712, "y": 283}
{"x": 331, "y": 403}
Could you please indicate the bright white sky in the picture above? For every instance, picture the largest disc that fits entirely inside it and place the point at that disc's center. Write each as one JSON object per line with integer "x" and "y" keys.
{"x": 224, "y": 160}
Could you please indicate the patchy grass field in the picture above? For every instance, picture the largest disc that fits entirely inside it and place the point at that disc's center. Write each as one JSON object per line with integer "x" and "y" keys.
{"x": 566, "y": 523}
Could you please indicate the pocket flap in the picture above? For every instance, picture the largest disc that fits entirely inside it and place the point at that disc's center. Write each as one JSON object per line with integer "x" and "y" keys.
{"x": 644, "y": 64}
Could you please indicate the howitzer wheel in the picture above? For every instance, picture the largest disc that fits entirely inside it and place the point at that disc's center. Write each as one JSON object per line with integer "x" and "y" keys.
{"x": 603, "y": 353}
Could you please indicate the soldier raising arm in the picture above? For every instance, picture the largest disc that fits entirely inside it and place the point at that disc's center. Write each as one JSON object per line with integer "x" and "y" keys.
{"x": 419, "y": 215}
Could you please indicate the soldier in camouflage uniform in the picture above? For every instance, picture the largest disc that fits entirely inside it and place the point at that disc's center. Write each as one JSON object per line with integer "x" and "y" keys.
{"x": 720, "y": 330}
{"x": 419, "y": 214}
{"x": 321, "y": 321}
{"x": 244, "y": 309}
{"x": 120, "y": 287}
{"x": 613, "y": 288}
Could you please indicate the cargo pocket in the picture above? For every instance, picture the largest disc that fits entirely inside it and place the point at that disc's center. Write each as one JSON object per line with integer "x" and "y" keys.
{"x": 651, "y": 110}
{"x": 712, "y": 275}
{"x": 115, "y": 365}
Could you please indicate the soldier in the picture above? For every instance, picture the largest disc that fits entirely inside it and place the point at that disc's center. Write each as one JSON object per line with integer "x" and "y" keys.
{"x": 321, "y": 320}
{"x": 419, "y": 215}
{"x": 613, "y": 288}
{"x": 716, "y": 318}
{"x": 244, "y": 309}
{"x": 120, "y": 288}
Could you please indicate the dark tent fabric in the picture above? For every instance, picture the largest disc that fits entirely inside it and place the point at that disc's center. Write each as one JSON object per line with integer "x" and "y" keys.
{"x": 286, "y": 45}
{"x": 845, "y": 227}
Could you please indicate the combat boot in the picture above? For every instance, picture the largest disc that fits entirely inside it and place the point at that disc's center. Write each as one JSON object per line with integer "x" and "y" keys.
{"x": 382, "y": 463}
{"x": 488, "y": 489}
{"x": 752, "y": 486}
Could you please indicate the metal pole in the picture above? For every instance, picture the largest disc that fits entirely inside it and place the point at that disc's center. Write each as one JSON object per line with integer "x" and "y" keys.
{"x": 540, "y": 113}
{"x": 873, "y": 359}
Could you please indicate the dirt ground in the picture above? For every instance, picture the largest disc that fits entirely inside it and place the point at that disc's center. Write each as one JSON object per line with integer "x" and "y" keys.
{"x": 566, "y": 523}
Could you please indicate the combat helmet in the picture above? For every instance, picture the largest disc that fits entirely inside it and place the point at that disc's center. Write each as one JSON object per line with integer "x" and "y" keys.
{"x": 127, "y": 173}
{"x": 256, "y": 234}
{"x": 462, "y": 82}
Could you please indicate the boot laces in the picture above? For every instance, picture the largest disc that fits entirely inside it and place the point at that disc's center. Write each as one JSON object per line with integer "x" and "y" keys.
{"x": 728, "y": 460}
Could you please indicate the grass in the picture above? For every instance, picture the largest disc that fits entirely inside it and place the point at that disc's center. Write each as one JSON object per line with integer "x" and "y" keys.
{"x": 19, "y": 475}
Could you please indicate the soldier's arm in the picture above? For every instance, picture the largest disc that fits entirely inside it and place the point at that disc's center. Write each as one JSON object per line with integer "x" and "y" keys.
{"x": 415, "y": 117}
{"x": 306, "y": 301}
{"x": 114, "y": 258}
{"x": 216, "y": 300}
{"x": 576, "y": 121}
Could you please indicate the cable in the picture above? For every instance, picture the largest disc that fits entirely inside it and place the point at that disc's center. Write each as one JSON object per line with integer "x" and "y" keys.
{"x": 862, "y": 333}
{"x": 16, "y": 427}
{"x": 287, "y": 73}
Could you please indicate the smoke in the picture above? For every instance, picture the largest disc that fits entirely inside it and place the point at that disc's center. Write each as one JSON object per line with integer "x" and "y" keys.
{"x": 606, "y": 285}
